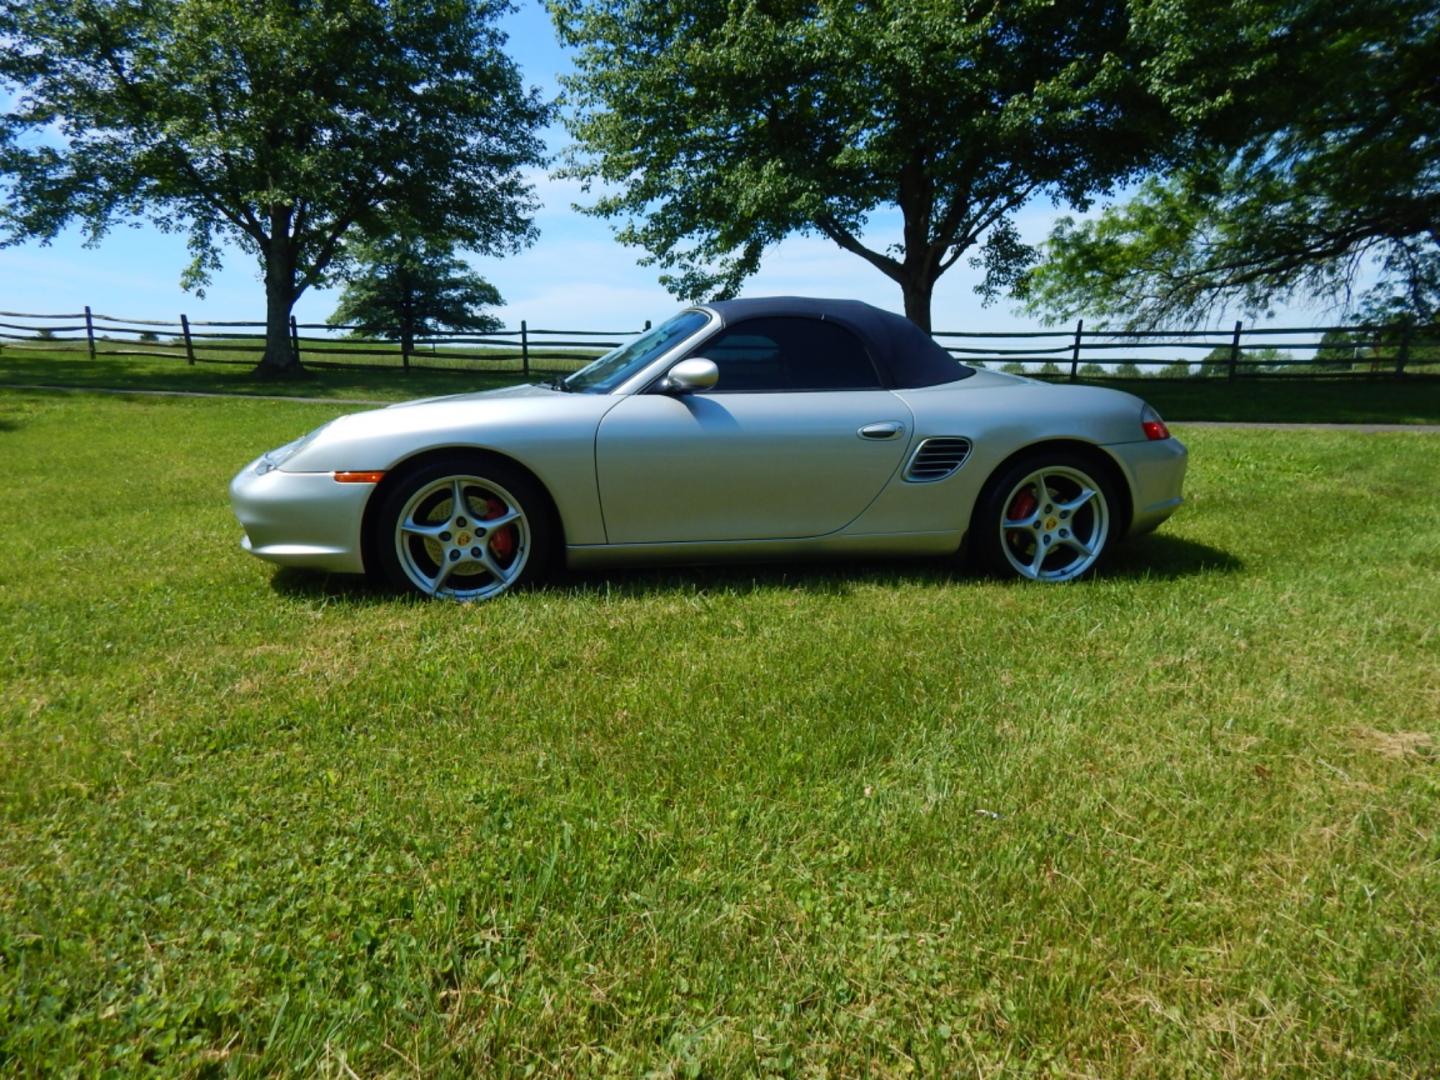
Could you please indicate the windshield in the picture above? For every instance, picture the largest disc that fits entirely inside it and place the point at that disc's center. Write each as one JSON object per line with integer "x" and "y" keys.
{"x": 616, "y": 366}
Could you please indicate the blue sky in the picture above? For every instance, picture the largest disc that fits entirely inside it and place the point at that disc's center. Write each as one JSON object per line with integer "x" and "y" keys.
{"x": 575, "y": 276}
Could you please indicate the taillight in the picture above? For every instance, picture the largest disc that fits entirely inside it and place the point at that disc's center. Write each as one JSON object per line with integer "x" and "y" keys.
{"x": 1152, "y": 425}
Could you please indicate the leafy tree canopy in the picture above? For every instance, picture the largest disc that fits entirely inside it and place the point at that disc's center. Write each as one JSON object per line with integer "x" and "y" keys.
{"x": 719, "y": 129}
{"x": 286, "y": 126}
{"x": 1316, "y": 166}
{"x": 404, "y": 288}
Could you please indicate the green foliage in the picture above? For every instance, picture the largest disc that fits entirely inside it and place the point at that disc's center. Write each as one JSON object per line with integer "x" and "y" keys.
{"x": 1013, "y": 367}
{"x": 1267, "y": 359}
{"x": 1128, "y": 370}
{"x": 1340, "y": 350}
{"x": 149, "y": 337}
{"x": 1313, "y": 156}
{"x": 1092, "y": 371}
{"x": 1176, "y": 370}
{"x": 285, "y": 128}
{"x": 1217, "y": 362}
{"x": 716, "y": 130}
{"x": 256, "y": 822}
{"x": 1049, "y": 368}
{"x": 403, "y": 288}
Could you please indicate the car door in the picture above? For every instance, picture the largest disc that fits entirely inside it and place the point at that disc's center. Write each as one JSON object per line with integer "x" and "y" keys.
{"x": 796, "y": 438}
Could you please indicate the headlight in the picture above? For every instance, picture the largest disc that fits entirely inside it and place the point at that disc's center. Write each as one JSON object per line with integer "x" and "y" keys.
{"x": 277, "y": 457}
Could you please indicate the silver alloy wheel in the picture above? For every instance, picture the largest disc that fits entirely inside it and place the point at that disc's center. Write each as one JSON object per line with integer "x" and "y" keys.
{"x": 462, "y": 537}
{"x": 1054, "y": 524}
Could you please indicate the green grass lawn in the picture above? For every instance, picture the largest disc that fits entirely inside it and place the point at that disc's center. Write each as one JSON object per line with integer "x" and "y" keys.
{"x": 379, "y": 378}
{"x": 874, "y": 819}
{"x": 1413, "y": 400}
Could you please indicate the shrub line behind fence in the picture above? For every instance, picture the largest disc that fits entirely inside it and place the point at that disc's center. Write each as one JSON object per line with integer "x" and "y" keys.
{"x": 1352, "y": 349}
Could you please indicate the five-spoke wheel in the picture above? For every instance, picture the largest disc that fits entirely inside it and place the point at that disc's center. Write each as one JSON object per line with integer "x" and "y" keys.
{"x": 462, "y": 529}
{"x": 1046, "y": 517}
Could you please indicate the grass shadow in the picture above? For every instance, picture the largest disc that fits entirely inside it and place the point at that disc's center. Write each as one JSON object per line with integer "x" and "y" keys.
{"x": 1161, "y": 557}
{"x": 1154, "y": 557}
{"x": 838, "y": 577}
{"x": 303, "y": 584}
{"x": 78, "y": 372}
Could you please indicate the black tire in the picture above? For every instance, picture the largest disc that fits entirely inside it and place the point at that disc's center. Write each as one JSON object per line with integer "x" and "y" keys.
{"x": 457, "y": 555}
{"x": 1010, "y": 538}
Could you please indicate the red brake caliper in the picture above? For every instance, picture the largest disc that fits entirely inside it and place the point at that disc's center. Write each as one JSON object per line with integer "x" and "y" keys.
{"x": 1022, "y": 506}
{"x": 503, "y": 542}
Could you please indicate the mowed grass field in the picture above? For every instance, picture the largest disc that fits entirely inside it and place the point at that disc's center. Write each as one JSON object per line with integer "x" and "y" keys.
{"x": 883, "y": 819}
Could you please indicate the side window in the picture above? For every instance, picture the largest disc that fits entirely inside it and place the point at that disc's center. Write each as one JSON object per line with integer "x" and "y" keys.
{"x": 789, "y": 354}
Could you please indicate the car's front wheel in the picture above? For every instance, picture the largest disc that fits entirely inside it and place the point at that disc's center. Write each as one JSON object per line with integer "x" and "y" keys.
{"x": 462, "y": 528}
{"x": 1048, "y": 516}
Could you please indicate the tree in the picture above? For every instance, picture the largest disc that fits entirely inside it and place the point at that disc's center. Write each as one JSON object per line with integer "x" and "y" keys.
{"x": 720, "y": 129}
{"x": 1269, "y": 359}
{"x": 285, "y": 127}
{"x": 1339, "y": 350}
{"x": 1314, "y": 159}
{"x": 1092, "y": 371}
{"x": 1215, "y": 362}
{"x": 405, "y": 287}
{"x": 1127, "y": 369}
{"x": 1013, "y": 367}
{"x": 1049, "y": 368}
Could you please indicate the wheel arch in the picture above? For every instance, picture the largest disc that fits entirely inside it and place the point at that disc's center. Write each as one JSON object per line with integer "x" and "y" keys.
{"x": 398, "y": 472}
{"x": 1096, "y": 454}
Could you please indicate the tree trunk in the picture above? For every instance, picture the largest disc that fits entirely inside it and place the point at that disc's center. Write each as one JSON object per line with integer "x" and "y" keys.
{"x": 280, "y": 360}
{"x": 407, "y": 342}
{"x": 917, "y": 291}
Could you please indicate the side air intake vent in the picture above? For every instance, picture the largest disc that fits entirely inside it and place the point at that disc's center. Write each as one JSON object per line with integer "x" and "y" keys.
{"x": 935, "y": 459}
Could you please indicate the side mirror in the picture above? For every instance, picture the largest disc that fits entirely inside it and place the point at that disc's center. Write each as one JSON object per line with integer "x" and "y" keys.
{"x": 696, "y": 373}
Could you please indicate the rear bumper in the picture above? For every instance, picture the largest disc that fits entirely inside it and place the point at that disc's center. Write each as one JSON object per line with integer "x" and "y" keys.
{"x": 300, "y": 519}
{"x": 1156, "y": 473}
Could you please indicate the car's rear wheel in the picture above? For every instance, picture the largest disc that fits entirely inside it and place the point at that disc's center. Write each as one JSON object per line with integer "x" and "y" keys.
{"x": 464, "y": 529}
{"x": 1048, "y": 516}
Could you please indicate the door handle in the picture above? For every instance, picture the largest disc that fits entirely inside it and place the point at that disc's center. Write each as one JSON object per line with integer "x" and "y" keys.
{"x": 887, "y": 429}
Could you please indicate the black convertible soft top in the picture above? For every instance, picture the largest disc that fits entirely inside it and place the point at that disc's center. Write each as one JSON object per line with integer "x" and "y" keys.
{"x": 906, "y": 355}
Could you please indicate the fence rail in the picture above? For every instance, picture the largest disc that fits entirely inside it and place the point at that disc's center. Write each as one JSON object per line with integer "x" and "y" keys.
{"x": 199, "y": 341}
{"x": 1235, "y": 351}
{"x": 1075, "y": 353}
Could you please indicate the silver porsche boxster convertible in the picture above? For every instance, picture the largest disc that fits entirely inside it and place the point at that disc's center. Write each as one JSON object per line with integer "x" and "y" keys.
{"x": 774, "y": 428}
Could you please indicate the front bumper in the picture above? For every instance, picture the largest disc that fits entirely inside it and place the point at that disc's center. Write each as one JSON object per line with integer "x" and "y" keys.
{"x": 300, "y": 519}
{"x": 1156, "y": 472}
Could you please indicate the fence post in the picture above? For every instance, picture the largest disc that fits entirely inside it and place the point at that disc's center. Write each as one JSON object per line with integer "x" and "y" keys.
{"x": 647, "y": 325}
{"x": 1075, "y": 353}
{"x": 524, "y": 348}
{"x": 295, "y": 338}
{"x": 1235, "y": 350}
{"x": 90, "y": 331}
{"x": 1403, "y": 356}
{"x": 189, "y": 344}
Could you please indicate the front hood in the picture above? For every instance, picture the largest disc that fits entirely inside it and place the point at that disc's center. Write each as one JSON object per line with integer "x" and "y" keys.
{"x": 504, "y": 420}
{"x": 521, "y": 391}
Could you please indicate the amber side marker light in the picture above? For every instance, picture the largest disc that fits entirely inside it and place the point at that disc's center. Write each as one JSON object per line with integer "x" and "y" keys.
{"x": 359, "y": 477}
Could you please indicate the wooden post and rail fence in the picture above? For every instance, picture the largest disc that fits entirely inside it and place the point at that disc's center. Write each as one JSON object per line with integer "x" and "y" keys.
{"x": 1233, "y": 353}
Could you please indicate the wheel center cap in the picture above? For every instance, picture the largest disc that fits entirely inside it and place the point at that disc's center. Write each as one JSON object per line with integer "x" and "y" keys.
{"x": 1051, "y": 522}
{"x": 463, "y": 539}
